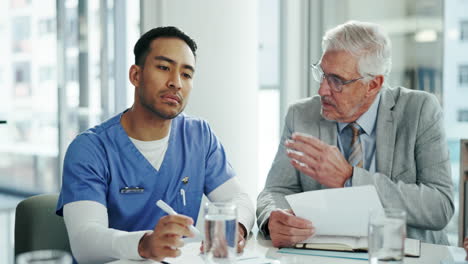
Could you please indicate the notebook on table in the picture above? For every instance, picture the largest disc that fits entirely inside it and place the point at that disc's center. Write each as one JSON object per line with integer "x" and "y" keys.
{"x": 354, "y": 244}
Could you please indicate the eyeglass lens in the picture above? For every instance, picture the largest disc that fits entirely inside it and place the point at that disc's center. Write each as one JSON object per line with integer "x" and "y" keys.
{"x": 319, "y": 75}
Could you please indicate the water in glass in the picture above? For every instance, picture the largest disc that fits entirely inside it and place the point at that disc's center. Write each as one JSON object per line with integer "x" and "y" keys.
{"x": 220, "y": 237}
{"x": 386, "y": 239}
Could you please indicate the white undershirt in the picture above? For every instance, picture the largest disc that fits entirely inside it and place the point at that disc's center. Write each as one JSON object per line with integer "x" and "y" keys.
{"x": 153, "y": 151}
{"x": 91, "y": 239}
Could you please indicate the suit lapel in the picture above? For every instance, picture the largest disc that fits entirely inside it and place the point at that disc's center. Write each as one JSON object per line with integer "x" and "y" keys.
{"x": 386, "y": 131}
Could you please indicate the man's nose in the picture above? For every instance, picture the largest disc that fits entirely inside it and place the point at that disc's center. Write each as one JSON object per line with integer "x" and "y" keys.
{"x": 325, "y": 88}
{"x": 174, "y": 80}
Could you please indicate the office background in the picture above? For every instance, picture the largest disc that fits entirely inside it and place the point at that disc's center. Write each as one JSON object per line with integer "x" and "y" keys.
{"x": 65, "y": 64}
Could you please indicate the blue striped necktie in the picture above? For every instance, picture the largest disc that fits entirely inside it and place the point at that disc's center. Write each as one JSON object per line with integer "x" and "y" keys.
{"x": 355, "y": 158}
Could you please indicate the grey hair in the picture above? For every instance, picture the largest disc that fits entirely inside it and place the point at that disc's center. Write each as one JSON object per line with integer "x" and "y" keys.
{"x": 366, "y": 41}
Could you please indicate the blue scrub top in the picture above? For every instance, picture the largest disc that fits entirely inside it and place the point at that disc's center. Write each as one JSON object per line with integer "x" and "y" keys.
{"x": 102, "y": 160}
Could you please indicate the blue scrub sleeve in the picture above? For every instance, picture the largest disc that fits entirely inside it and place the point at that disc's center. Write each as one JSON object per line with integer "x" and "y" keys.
{"x": 218, "y": 170}
{"x": 84, "y": 172}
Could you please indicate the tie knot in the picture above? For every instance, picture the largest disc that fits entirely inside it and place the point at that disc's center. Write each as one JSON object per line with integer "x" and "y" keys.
{"x": 355, "y": 128}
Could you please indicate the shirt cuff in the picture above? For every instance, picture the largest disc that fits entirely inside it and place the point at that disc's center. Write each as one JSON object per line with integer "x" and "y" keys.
{"x": 126, "y": 243}
{"x": 244, "y": 217}
{"x": 349, "y": 182}
{"x": 264, "y": 228}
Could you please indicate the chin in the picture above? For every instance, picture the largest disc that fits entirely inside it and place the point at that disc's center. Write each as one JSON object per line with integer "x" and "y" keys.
{"x": 164, "y": 113}
{"x": 169, "y": 115}
{"x": 327, "y": 116}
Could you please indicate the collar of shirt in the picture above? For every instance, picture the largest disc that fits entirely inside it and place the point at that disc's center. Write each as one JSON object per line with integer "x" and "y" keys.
{"x": 367, "y": 120}
{"x": 153, "y": 144}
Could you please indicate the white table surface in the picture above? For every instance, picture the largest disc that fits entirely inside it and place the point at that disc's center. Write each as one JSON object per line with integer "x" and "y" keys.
{"x": 261, "y": 248}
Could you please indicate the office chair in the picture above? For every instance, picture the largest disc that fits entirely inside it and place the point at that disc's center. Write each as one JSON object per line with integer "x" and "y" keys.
{"x": 38, "y": 227}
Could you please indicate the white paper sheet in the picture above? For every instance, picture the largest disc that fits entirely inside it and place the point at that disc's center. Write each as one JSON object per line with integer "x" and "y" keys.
{"x": 456, "y": 256}
{"x": 339, "y": 211}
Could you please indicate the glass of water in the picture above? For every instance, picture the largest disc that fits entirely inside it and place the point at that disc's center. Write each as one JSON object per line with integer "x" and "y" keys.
{"x": 45, "y": 256}
{"x": 387, "y": 233}
{"x": 220, "y": 243}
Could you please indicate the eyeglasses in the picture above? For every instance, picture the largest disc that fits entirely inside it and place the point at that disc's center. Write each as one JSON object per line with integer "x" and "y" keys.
{"x": 335, "y": 82}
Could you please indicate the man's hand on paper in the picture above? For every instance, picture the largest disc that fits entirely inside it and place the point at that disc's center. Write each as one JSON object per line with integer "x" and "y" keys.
{"x": 320, "y": 161}
{"x": 166, "y": 239}
{"x": 286, "y": 229}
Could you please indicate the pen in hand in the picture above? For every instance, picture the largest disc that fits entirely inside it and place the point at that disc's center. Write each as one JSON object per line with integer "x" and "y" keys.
{"x": 166, "y": 208}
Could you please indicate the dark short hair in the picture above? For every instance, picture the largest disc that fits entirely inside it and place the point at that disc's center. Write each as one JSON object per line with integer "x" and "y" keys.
{"x": 142, "y": 47}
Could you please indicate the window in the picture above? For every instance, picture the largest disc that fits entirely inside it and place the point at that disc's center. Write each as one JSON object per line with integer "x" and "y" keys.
{"x": 22, "y": 78}
{"x": 47, "y": 26}
{"x": 37, "y": 58}
{"x": 20, "y": 3}
{"x": 71, "y": 27}
{"x": 72, "y": 73}
{"x": 269, "y": 82}
{"x": 455, "y": 82}
{"x": 464, "y": 30}
{"x": 463, "y": 75}
{"x": 40, "y": 128}
{"x": 46, "y": 73}
{"x": 462, "y": 115}
{"x": 21, "y": 31}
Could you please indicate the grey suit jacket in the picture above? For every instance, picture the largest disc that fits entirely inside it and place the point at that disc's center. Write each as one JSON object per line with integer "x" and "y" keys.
{"x": 412, "y": 161}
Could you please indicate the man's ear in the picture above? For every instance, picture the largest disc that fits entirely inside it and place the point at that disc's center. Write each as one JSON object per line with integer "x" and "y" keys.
{"x": 134, "y": 75}
{"x": 375, "y": 84}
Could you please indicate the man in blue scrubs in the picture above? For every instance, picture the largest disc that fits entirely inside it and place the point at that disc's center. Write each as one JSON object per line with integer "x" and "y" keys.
{"x": 115, "y": 172}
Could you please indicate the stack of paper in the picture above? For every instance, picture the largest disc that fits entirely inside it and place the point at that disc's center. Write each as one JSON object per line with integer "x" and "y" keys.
{"x": 337, "y": 212}
{"x": 341, "y": 217}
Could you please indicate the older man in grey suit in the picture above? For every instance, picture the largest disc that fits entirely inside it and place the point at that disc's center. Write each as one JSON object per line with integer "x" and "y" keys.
{"x": 360, "y": 132}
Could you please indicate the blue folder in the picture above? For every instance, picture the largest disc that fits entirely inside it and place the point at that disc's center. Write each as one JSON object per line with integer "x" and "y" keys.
{"x": 324, "y": 253}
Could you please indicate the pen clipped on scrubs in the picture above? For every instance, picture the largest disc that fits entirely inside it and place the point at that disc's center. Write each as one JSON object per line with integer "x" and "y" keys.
{"x": 166, "y": 208}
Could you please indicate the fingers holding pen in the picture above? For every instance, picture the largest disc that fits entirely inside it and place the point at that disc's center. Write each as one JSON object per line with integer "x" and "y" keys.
{"x": 166, "y": 239}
